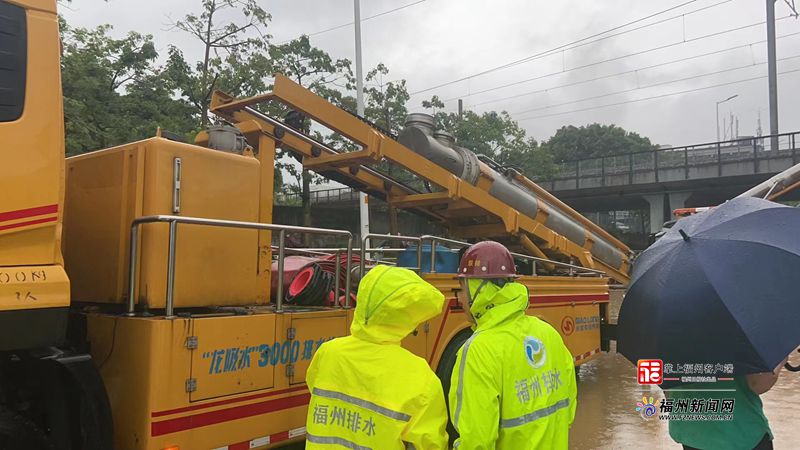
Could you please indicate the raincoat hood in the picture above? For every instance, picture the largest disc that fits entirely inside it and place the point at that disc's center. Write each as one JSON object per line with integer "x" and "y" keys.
{"x": 495, "y": 304}
{"x": 391, "y": 303}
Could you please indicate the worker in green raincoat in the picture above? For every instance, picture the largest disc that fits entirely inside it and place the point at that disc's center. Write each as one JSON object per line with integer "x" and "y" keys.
{"x": 368, "y": 392}
{"x": 513, "y": 383}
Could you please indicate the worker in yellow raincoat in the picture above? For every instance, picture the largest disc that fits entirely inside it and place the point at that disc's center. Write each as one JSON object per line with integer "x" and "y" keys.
{"x": 368, "y": 392}
{"x": 513, "y": 383}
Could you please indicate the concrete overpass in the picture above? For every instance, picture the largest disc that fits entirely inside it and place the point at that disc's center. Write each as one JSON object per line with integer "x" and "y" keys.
{"x": 669, "y": 178}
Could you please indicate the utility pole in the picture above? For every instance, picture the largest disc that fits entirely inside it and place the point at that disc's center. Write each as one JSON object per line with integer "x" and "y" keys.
{"x": 732, "y": 136}
{"x": 772, "y": 69}
{"x": 363, "y": 199}
{"x": 460, "y": 108}
{"x": 719, "y": 103}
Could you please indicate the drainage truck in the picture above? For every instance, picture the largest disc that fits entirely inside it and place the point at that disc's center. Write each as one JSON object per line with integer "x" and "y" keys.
{"x": 178, "y": 316}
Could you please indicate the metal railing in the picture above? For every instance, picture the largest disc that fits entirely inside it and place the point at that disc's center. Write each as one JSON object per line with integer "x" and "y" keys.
{"x": 334, "y": 195}
{"x": 173, "y": 222}
{"x": 389, "y": 237}
{"x": 625, "y": 167}
{"x": 436, "y": 239}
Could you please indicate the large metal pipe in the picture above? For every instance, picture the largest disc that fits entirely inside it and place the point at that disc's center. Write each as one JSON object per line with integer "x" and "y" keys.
{"x": 774, "y": 185}
{"x": 420, "y": 136}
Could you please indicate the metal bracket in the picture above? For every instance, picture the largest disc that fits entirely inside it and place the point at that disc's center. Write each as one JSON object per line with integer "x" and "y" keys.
{"x": 291, "y": 333}
{"x": 191, "y": 342}
{"x": 176, "y": 186}
{"x": 191, "y": 384}
{"x": 290, "y": 370}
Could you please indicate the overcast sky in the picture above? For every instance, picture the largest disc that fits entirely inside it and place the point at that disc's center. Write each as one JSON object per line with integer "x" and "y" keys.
{"x": 438, "y": 41}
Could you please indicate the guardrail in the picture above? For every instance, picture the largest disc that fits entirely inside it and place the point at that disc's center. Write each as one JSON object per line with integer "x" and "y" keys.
{"x": 573, "y": 268}
{"x": 389, "y": 237}
{"x": 679, "y": 163}
{"x": 173, "y": 222}
{"x": 333, "y": 195}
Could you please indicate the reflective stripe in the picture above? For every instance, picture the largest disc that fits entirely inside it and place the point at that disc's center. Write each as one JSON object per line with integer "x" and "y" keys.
{"x": 362, "y": 403}
{"x": 538, "y": 414}
{"x": 460, "y": 389}
{"x": 333, "y": 440}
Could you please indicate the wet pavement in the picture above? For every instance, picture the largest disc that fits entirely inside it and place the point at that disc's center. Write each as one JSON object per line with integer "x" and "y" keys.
{"x": 608, "y": 392}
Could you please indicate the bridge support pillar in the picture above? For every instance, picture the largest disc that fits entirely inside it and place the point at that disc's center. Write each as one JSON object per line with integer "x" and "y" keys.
{"x": 661, "y": 206}
{"x": 677, "y": 200}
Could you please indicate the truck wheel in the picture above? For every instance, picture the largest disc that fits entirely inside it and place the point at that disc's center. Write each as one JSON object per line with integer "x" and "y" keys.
{"x": 445, "y": 370}
{"x": 19, "y": 433}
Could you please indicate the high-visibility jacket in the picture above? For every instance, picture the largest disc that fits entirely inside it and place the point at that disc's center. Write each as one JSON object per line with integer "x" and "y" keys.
{"x": 368, "y": 392}
{"x": 513, "y": 383}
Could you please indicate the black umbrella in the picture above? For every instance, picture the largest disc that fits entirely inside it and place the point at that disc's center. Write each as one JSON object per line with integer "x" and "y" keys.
{"x": 721, "y": 287}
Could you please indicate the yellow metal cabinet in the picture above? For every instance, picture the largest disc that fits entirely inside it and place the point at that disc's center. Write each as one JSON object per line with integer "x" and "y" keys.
{"x": 107, "y": 189}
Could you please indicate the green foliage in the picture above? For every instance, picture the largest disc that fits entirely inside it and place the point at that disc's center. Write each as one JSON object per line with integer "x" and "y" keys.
{"x": 314, "y": 69}
{"x": 113, "y": 92}
{"x": 233, "y": 53}
{"x": 595, "y": 140}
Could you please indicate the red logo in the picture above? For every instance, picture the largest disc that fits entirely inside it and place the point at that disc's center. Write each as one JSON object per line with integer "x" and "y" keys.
{"x": 650, "y": 371}
{"x": 567, "y": 325}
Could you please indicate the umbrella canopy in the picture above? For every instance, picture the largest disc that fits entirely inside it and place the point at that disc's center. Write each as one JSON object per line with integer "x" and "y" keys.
{"x": 721, "y": 287}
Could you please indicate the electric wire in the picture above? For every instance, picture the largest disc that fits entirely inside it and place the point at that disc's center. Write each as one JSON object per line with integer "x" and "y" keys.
{"x": 654, "y": 97}
{"x": 663, "y": 83}
{"x": 617, "y": 58}
{"x": 344, "y": 25}
{"x": 556, "y": 49}
{"x": 627, "y": 72}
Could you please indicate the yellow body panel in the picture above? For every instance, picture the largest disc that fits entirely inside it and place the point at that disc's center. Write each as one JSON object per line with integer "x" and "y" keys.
{"x": 249, "y": 370}
{"x": 32, "y": 171}
{"x": 33, "y": 287}
{"x": 106, "y": 190}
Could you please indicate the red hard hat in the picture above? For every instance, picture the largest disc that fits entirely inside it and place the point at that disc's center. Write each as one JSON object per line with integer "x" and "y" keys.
{"x": 487, "y": 259}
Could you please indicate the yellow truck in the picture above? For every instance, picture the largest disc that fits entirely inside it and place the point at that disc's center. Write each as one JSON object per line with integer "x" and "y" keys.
{"x": 159, "y": 328}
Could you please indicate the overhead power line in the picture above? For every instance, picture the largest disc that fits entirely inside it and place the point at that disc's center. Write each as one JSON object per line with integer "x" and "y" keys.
{"x": 558, "y": 48}
{"x": 345, "y": 25}
{"x": 663, "y": 83}
{"x": 654, "y": 97}
{"x": 627, "y": 72}
{"x": 617, "y": 58}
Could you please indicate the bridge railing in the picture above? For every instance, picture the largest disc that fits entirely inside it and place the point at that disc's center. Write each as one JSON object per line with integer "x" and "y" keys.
{"x": 334, "y": 195}
{"x": 742, "y": 156}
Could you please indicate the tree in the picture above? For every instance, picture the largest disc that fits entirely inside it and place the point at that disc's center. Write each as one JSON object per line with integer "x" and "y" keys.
{"x": 495, "y": 135}
{"x": 314, "y": 69}
{"x": 595, "y": 140}
{"x": 233, "y": 53}
{"x": 113, "y": 92}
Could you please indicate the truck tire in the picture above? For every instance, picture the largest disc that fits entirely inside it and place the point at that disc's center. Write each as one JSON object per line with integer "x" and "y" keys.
{"x": 445, "y": 371}
{"x": 19, "y": 433}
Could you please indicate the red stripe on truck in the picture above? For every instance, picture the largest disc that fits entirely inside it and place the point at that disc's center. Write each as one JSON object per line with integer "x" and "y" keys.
{"x": 29, "y": 212}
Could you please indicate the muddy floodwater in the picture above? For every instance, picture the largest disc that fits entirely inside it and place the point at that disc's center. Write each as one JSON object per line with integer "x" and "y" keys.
{"x": 607, "y": 396}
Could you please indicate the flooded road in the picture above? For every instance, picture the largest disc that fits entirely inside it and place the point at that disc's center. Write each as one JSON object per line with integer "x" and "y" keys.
{"x": 607, "y": 396}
